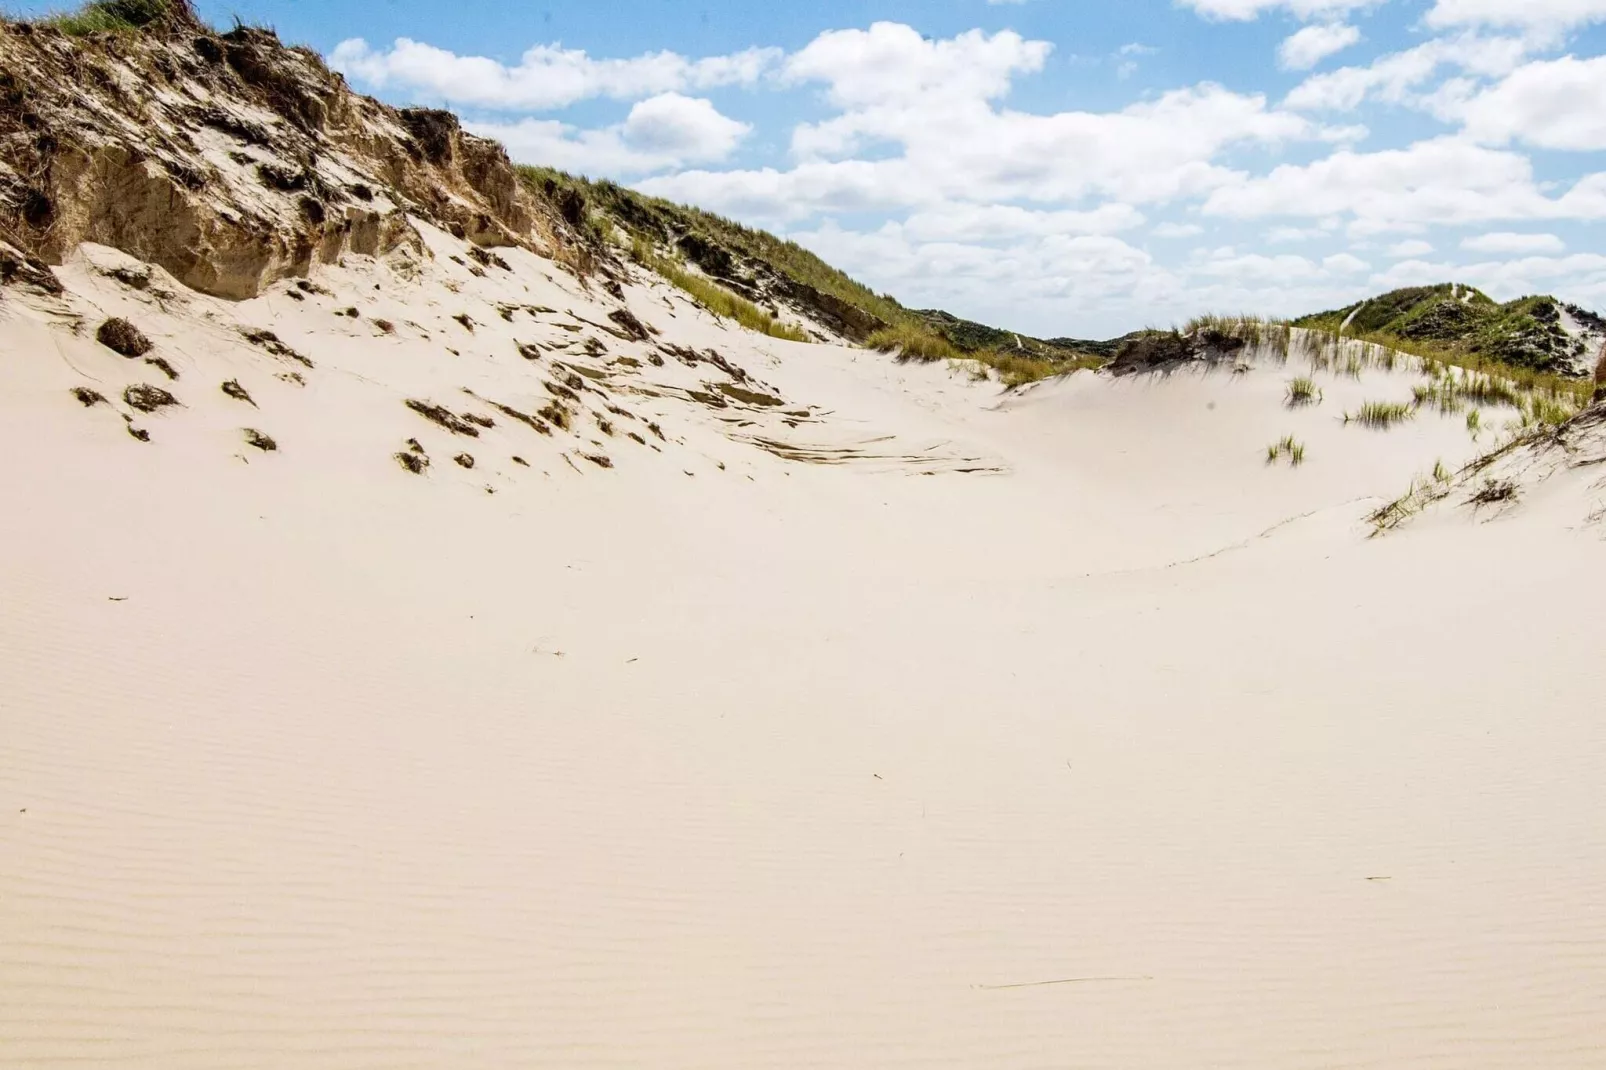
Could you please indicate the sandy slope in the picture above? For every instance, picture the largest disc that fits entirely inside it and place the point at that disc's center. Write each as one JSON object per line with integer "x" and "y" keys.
{"x": 722, "y": 757}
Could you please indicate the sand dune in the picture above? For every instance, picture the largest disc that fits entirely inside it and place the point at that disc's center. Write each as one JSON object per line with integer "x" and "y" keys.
{"x": 822, "y": 732}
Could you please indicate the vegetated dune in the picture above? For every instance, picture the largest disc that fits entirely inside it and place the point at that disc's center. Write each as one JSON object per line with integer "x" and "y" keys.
{"x": 451, "y": 656}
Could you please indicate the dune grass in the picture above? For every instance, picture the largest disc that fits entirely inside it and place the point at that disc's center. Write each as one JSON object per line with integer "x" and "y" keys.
{"x": 108, "y": 16}
{"x": 714, "y": 297}
{"x": 1381, "y": 414}
{"x": 911, "y": 342}
{"x": 1289, "y": 447}
{"x": 1302, "y": 391}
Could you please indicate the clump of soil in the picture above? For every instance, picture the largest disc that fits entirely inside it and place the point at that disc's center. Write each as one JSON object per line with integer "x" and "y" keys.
{"x": 87, "y": 397}
{"x": 468, "y": 324}
{"x": 147, "y": 398}
{"x": 521, "y": 461}
{"x": 466, "y": 460}
{"x": 385, "y": 326}
{"x": 234, "y": 390}
{"x": 445, "y": 417}
{"x": 123, "y": 337}
{"x": 263, "y": 442}
{"x": 352, "y": 312}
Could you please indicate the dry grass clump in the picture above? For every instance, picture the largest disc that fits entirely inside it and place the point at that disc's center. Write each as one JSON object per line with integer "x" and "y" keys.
{"x": 147, "y": 398}
{"x": 88, "y": 398}
{"x": 464, "y": 460}
{"x": 443, "y": 416}
{"x": 261, "y": 441}
{"x": 234, "y": 390}
{"x": 123, "y": 337}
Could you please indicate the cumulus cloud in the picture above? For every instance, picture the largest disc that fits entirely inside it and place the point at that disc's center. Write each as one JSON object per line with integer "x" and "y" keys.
{"x": 1305, "y": 48}
{"x": 546, "y": 77}
{"x": 1505, "y": 241}
{"x": 1176, "y": 230}
{"x": 665, "y": 131}
{"x": 1553, "y": 104}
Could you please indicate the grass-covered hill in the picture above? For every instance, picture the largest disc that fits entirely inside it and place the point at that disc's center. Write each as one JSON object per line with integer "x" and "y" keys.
{"x": 1538, "y": 332}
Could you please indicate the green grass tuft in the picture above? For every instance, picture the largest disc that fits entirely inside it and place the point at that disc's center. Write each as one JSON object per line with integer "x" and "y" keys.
{"x": 1302, "y": 391}
{"x": 1381, "y": 414}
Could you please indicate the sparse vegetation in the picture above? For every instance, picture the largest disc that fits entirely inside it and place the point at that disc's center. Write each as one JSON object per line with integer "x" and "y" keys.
{"x": 1302, "y": 391}
{"x": 261, "y": 441}
{"x": 912, "y": 342}
{"x": 123, "y": 337}
{"x": 87, "y": 397}
{"x": 1289, "y": 447}
{"x": 414, "y": 462}
{"x": 464, "y": 460}
{"x": 1493, "y": 492}
{"x": 1381, "y": 414}
{"x": 161, "y": 365}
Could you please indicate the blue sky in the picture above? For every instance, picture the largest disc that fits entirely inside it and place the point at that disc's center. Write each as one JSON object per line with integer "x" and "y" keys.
{"x": 1065, "y": 167}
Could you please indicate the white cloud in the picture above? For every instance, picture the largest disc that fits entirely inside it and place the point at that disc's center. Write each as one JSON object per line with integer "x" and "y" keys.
{"x": 546, "y": 77}
{"x": 665, "y": 131}
{"x": 1505, "y": 241}
{"x": 1344, "y": 264}
{"x": 1554, "y": 104}
{"x": 682, "y": 128}
{"x": 1176, "y": 230}
{"x": 1409, "y": 249}
{"x": 892, "y": 64}
{"x": 1440, "y": 181}
{"x": 1542, "y": 14}
{"x": 1244, "y": 10}
{"x": 1397, "y": 77}
{"x": 1305, "y": 48}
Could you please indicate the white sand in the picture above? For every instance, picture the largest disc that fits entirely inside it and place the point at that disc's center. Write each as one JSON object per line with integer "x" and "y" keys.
{"x": 779, "y": 764}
